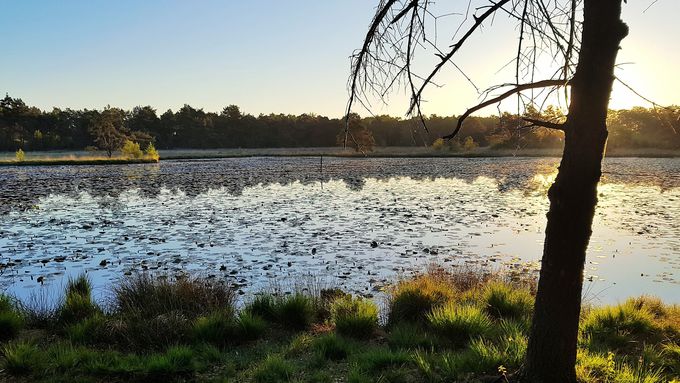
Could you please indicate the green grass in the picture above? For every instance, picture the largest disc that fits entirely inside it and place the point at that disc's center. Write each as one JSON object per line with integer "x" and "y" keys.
{"x": 412, "y": 300}
{"x": 476, "y": 328}
{"x": 505, "y": 301}
{"x": 273, "y": 369}
{"x": 459, "y": 323}
{"x": 295, "y": 311}
{"x": 332, "y": 347}
{"x": 354, "y": 317}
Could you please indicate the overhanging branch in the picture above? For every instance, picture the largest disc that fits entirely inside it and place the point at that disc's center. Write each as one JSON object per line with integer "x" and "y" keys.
{"x": 515, "y": 90}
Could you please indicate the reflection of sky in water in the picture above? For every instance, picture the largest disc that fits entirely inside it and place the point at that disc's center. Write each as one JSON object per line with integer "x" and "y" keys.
{"x": 289, "y": 228}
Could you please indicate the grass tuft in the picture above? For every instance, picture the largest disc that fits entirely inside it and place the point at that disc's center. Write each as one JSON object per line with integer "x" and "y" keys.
{"x": 354, "y": 317}
{"x": 331, "y": 346}
{"x": 272, "y": 370}
{"x": 459, "y": 323}
{"x": 506, "y": 301}
{"x": 295, "y": 311}
{"x": 412, "y": 300}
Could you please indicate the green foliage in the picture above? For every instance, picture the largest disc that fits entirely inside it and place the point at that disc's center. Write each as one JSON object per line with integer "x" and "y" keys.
{"x": 151, "y": 152}
{"x": 413, "y": 299}
{"x": 272, "y": 370}
{"x": 177, "y": 359}
{"x": 459, "y": 323}
{"x": 295, "y": 311}
{"x": 469, "y": 144}
{"x": 79, "y": 285}
{"x": 332, "y": 347}
{"x": 505, "y": 301}
{"x": 131, "y": 150}
{"x": 438, "y": 144}
{"x": 6, "y": 303}
{"x": 354, "y": 317}
{"x": 20, "y": 155}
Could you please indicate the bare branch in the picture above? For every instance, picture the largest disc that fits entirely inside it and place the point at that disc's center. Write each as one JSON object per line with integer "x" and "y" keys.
{"x": 545, "y": 124}
{"x": 515, "y": 90}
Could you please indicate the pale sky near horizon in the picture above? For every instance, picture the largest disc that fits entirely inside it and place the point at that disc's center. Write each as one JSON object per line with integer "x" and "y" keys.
{"x": 267, "y": 56}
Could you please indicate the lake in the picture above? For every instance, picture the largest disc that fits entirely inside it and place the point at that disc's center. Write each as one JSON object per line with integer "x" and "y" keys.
{"x": 352, "y": 223}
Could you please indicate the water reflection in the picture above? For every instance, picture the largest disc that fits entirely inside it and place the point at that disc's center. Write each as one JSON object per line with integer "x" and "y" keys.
{"x": 254, "y": 219}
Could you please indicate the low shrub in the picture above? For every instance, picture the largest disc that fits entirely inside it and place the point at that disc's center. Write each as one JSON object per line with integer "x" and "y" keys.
{"x": 459, "y": 323}
{"x": 11, "y": 322}
{"x": 354, "y": 317}
{"x": 131, "y": 149}
{"x": 76, "y": 308}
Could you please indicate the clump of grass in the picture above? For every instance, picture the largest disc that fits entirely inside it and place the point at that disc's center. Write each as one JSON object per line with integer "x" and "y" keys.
{"x": 331, "y": 346}
{"x": 411, "y": 300}
{"x": 377, "y": 359}
{"x": 295, "y": 311}
{"x": 614, "y": 326}
{"x": 223, "y": 327}
{"x": 273, "y": 369}
{"x": 503, "y": 300}
{"x": 459, "y": 323}
{"x": 264, "y": 306}
{"x": 77, "y": 304}
{"x": 250, "y": 327}
{"x": 90, "y": 330}
{"x": 354, "y": 317}
{"x": 11, "y": 322}
{"x": 21, "y": 357}
{"x": 217, "y": 328}
{"x": 409, "y": 336}
{"x": 146, "y": 297}
{"x": 176, "y": 360}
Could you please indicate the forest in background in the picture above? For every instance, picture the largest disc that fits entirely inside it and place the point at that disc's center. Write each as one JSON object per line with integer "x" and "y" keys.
{"x": 31, "y": 129}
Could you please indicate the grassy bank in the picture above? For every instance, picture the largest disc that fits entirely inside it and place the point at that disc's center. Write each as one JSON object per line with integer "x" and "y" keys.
{"x": 78, "y": 161}
{"x": 437, "y": 327}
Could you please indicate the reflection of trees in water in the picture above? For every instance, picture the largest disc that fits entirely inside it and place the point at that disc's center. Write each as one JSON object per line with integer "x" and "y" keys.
{"x": 22, "y": 187}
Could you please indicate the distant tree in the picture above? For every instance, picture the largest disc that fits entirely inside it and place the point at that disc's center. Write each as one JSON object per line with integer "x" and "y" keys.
{"x": 357, "y": 136}
{"x": 131, "y": 149}
{"x": 106, "y": 131}
{"x": 438, "y": 144}
{"x": 469, "y": 144}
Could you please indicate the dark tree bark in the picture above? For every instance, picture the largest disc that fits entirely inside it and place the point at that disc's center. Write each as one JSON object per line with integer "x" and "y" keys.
{"x": 551, "y": 354}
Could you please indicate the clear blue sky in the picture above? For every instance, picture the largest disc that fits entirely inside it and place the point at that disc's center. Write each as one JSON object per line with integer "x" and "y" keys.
{"x": 264, "y": 55}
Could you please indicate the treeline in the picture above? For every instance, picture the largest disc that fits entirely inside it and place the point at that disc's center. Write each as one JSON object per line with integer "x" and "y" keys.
{"x": 29, "y": 128}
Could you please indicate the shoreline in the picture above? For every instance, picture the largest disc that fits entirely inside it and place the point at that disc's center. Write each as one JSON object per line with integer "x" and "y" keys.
{"x": 61, "y": 158}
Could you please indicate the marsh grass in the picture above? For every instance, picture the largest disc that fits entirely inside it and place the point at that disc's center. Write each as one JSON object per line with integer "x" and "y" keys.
{"x": 459, "y": 323}
{"x": 178, "y": 330}
{"x": 354, "y": 317}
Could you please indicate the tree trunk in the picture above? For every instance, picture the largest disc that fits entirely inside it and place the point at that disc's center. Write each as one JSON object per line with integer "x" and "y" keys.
{"x": 551, "y": 353}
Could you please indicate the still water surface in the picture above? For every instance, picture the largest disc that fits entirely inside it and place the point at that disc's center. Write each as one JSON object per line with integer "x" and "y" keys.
{"x": 356, "y": 223}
